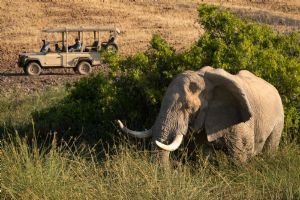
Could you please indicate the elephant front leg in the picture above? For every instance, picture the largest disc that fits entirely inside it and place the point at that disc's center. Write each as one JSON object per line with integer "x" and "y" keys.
{"x": 240, "y": 143}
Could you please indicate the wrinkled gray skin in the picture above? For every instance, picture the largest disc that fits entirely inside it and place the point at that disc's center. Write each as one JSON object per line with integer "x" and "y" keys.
{"x": 241, "y": 113}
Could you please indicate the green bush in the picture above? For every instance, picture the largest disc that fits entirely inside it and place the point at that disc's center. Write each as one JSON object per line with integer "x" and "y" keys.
{"x": 134, "y": 87}
{"x": 235, "y": 44}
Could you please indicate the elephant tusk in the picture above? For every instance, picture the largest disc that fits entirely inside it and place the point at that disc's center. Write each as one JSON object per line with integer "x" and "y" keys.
{"x": 173, "y": 146}
{"x": 138, "y": 134}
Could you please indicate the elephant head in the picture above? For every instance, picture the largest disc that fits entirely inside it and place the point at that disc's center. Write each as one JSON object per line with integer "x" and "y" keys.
{"x": 209, "y": 99}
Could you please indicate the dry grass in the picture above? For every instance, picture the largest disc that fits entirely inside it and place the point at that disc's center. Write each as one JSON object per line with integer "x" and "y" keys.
{"x": 176, "y": 20}
{"x": 56, "y": 172}
{"x": 21, "y": 21}
{"x": 282, "y": 15}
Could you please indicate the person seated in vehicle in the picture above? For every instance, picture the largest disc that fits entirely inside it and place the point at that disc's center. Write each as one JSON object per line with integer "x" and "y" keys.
{"x": 110, "y": 40}
{"x": 57, "y": 49}
{"x": 45, "y": 48}
{"x": 76, "y": 46}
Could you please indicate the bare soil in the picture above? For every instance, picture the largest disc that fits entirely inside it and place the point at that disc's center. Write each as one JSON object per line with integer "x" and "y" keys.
{"x": 21, "y": 22}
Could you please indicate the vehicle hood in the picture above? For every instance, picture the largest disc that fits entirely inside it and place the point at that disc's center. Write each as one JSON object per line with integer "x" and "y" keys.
{"x": 31, "y": 54}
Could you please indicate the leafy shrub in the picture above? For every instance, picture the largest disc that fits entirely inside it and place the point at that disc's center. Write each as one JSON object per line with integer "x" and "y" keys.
{"x": 234, "y": 44}
{"x": 134, "y": 87}
{"x": 132, "y": 90}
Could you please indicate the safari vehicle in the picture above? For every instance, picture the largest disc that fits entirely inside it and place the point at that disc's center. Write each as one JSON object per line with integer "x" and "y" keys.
{"x": 62, "y": 55}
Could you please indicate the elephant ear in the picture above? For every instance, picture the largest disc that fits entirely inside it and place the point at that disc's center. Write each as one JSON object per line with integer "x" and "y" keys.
{"x": 228, "y": 104}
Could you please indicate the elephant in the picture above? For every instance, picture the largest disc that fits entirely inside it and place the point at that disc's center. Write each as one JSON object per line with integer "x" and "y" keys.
{"x": 241, "y": 114}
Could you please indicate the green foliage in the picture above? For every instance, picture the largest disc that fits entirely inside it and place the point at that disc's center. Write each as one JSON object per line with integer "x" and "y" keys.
{"x": 131, "y": 91}
{"x": 83, "y": 109}
{"x": 134, "y": 87}
{"x": 235, "y": 44}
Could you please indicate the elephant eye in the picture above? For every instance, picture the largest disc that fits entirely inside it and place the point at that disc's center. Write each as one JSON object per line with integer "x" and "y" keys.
{"x": 186, "y": 106}
{"x": 194, "y": 87}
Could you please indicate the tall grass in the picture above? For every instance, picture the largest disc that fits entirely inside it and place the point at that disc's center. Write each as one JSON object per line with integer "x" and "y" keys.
{"x": 57, "y": 172}
{"x": 16, "y": 109}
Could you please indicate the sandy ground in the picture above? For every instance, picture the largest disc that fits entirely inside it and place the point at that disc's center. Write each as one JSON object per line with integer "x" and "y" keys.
{"x": 21, "y": 22}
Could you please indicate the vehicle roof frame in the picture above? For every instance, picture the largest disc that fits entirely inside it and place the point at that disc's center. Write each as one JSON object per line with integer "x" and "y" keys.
{"x": 82, "y": 29}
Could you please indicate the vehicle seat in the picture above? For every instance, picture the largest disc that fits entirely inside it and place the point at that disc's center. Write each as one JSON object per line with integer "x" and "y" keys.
{"x": 95, "y": 45}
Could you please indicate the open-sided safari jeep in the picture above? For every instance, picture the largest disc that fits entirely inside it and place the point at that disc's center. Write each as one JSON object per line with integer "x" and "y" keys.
{"x": 60, "y": 54}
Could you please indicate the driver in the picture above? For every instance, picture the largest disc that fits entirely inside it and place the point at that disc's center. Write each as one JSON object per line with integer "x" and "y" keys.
{"x": 45, "y": 47}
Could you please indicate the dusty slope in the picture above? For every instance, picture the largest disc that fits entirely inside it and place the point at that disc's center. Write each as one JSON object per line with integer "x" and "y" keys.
{"x": 22, "y": 20}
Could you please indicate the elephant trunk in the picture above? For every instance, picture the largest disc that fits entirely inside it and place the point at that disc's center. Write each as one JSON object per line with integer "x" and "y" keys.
{"x": 169, "y": 129}
{"x": 168, "y": 132}
{"x": 160, "y": 156}
{"x": 164, "y": 157}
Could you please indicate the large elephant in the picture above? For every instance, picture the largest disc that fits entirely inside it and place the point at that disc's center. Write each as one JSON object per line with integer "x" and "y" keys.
{"x": 242, "y": 113}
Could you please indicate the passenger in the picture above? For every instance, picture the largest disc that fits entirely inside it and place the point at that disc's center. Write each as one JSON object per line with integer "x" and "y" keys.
{"x": 57, "y": 49}
{"x": 45, "y": 47}
{"x": 76, "y": 46}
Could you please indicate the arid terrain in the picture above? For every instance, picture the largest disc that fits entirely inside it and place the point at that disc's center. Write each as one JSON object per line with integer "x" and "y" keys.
{"x": 21, "y": 22}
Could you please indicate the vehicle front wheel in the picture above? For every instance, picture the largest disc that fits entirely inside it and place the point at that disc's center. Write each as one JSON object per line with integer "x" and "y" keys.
{"x": 33, "y": 69}
{"x": 84, "y": 68}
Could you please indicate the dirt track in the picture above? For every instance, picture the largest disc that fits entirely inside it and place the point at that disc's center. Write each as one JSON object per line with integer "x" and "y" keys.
{"x": 176, "y": 20}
